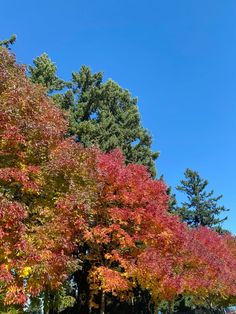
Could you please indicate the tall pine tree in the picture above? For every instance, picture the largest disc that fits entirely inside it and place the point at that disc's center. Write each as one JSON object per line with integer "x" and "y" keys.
{"x": 101, "y": 113}
{"x": 106, "y": 115}
{"x": 201, "y": 207}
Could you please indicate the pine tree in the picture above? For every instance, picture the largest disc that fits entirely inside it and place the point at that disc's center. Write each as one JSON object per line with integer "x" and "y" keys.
{"x": 106, "y": 115}
{"x": 201, "y": 209}
{"x": 8, "y": 42}
{"x": 101, "y": 114}
{"x": 44, "y": 72}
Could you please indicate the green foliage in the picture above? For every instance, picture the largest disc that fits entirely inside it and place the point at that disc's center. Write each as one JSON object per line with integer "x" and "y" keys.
{"x": 64, "y": 300}
{"x": 35, "y": 305}
{"x": 8, "y": 42}
{"x": 201, "y": 209}
{"x": 101, "y": 114}
{"x": 7, "y": 309}
{"x": 64, "y": 100}
{"x": 106, "y": 115}
{"x": 44, "y": 72}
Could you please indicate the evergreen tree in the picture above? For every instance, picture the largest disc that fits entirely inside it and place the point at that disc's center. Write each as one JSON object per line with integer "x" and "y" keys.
{"x": 172, "y": 200}
{"x": 8, "y": 42}
{"x": 44, "y": 72}
{"x": 106, "y": 115}
{"x": 101, "y": 114}
{"x": 201, "y": 207}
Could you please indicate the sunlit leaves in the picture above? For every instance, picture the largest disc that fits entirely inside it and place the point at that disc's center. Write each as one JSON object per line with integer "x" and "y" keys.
{"x": 63, "y": 206}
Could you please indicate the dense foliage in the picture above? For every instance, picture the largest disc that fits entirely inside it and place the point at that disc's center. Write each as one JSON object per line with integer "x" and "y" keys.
{"x": 44, "y": 72}
{"x": 68, "y": 209}
{"x": 102, "y": 114}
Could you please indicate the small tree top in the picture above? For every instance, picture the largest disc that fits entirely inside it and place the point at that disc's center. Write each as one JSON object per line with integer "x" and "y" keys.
{"x": 201, "y": 207}
{"x": 8, "y": 42}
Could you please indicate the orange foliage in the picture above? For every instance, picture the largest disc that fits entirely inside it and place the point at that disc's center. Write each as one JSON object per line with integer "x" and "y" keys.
{"x": 57, "y": 197}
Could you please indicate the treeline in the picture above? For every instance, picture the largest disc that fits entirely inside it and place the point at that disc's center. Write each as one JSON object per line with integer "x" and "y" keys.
{"x": 85, "y": 226}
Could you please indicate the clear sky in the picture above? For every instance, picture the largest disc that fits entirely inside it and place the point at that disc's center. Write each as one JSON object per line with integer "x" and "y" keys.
{"x": 177, "y": 56}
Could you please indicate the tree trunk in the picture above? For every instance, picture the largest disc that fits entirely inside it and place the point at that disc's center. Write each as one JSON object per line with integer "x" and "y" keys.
{"x": 46, "y": 303}
{"x": 170, "y": 307}
{"x": 156, "y": 309}
{"x": 102, "y": 309}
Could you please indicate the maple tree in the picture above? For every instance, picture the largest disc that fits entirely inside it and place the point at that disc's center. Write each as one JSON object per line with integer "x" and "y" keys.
{"x": 30, "y": 126}
{"x": 212, "y": 278}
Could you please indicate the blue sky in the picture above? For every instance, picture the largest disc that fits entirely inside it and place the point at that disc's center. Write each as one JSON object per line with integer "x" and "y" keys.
{"x": 178, "y": 57}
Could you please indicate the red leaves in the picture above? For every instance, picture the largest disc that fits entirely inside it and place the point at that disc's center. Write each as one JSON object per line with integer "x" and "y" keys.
{"x": 30, "y": 124}
{"x": 15, "y": 176}
{"x": 16, "y": 295}
{"x": 12, "y": 241}
{"x": 213, "y": 266}
{"x": 58, "y": 198}
{"x": 130, "y": 184}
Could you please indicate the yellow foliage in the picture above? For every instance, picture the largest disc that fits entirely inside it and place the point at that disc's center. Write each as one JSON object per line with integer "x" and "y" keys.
{"x": 25, "y": 271}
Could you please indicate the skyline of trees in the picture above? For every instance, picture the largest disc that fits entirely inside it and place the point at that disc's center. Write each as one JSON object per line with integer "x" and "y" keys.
{"x": 75, "y": 213}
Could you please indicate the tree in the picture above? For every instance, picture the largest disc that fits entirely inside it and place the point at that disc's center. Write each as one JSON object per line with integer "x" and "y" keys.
{"x": 201, "y": 209}
{"x": 30, "y": 127}
{"x": 101, "y": 114}
{"x": 68, "y": 210}
{"x": 44, "y": 72}
{"x": 63, "y": 195}
{"x": 210, "y": 284}
{"x": 8, "y": 42}
{"x": 106, "y": 115}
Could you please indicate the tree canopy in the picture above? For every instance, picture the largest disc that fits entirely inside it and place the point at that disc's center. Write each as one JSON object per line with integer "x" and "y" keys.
{"x": 44, "y": 72}
{"x": 64, "y": 206}
{"x": 101, "y": 114}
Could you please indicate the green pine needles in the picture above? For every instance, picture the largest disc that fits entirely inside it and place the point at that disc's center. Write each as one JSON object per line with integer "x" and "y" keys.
{"x": 101, "y": 113}
{"x": 201, "y": 207}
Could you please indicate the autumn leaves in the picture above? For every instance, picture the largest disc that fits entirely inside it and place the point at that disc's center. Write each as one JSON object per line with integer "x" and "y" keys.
{"x": 63, "y": 206}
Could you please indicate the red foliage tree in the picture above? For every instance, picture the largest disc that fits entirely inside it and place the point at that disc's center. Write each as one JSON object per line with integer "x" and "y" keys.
{"x": 30, "y": 126}
{"x": 63, "y": 207}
